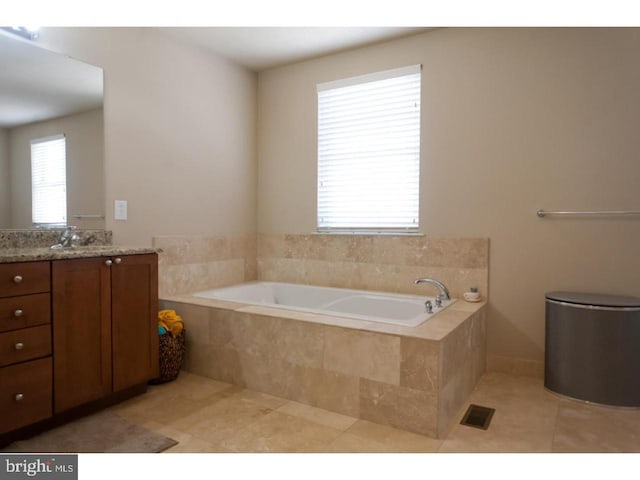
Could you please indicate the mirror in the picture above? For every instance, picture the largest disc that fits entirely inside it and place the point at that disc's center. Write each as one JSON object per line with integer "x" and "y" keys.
{"x": 43, "y": 94}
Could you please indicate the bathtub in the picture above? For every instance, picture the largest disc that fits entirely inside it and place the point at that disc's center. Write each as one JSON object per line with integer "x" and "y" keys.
{"x": 396, "y": 309}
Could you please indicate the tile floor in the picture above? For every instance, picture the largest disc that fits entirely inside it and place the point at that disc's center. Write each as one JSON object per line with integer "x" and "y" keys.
{"x": 204, "y": 415}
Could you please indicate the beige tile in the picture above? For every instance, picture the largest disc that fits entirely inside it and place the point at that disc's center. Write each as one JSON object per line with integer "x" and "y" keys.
{"x": 196, "y": 445}
{"x": 163, "y": 408}
{"x": 524, "y": 420}
{"x": 194, "y": 387}
{"x": 196, "y": 322}
{"x": 263, "y": 399}
{"x": 392, "y": 439}
{"x": 400, "y": 407}
{"x": 270, "y": 245}
{"x": 278, "y": 432}
{"x": 317, "y": 415}
{"x": 456, "y": 252}
{"x": 270, "y": 375}
{"x": 172, "y": 433}
{"x": 464, "y": 306}
{"x": 332, "y": 391}
{"x": 347, "y": 443}
{"x": 223, "y": 364}
{"x": 419, "y": 364}
{"x": 593, "y": 428}
{"x": 221, "y": 419}
{"x": 363, "y": 354}
{"x": 300, "y": 343}
{"x": 440, "y": 325}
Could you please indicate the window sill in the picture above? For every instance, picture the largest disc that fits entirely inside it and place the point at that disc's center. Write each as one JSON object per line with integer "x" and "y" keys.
{"x": 369, "y": 233}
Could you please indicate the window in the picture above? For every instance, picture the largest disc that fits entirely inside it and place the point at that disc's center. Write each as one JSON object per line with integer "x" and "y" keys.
{"x": 49, "y": 181}
{"x": 369, "y": 152}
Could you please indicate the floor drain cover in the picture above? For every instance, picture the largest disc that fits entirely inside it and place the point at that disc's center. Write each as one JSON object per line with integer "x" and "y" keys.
{"x": 478, "y": 417}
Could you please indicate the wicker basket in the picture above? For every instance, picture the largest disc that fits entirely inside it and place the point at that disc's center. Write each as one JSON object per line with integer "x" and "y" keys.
{"x": 171, "y": 356}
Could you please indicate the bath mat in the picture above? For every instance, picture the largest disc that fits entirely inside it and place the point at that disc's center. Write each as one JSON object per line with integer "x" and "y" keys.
{"x": 103, "y": 432}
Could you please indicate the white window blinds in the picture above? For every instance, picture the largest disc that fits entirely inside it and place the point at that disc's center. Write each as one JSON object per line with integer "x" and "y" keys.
{"x": 369, "y": 152}
{"x": 49, "y": 181}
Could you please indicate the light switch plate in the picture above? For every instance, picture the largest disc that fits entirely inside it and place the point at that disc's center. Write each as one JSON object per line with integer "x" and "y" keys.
{"x": 120, "y": 210}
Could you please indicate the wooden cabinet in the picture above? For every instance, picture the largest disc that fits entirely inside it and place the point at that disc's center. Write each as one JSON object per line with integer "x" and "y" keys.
{"x": 104, "y": 326}
{"x": 25, "y": 393}
{"x": 75, "y": 334}
{"x": 81, "y": 293}
{"x": 134, "y": 320}
{"x": 25, "y": 344}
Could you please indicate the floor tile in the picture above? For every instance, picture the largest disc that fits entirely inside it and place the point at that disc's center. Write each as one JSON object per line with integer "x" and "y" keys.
{"x": 278, "y": 432}
{"x": 196, "y": 445}
{"x": 221, "y": 420}
{"x": 348, "y": 443}
{"x": 393, "y": 439}
{"x": 524, "y": 418}
{"x": 317, "y": 415}
{"x": 592, "y": 428}
{"x": 205, "y": 415}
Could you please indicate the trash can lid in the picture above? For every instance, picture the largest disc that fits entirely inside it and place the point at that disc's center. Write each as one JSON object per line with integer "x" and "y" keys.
{"x": 597, "y": 299}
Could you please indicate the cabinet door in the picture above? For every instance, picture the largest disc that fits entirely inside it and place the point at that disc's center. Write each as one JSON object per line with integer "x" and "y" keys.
{"x": 134, "y": 304}
{"x": 81, "y": 294}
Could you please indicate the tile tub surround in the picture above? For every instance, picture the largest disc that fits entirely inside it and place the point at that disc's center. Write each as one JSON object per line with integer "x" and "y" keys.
{"x": 194, "y": 263}
{"x": 387, "y": 263}
{"x": 44, "y": 238}
{"x": 413, "y": 378}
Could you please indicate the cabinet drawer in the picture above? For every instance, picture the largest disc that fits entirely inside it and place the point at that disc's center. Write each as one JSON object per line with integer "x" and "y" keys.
{"x": 24, "y": 278}
{"x": 25, "y": 394}
{"x": 25, "y": 311}
{"x": 25, "y": 344}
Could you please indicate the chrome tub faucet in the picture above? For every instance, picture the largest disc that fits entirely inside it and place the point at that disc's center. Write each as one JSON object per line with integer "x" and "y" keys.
{"x": 443, "y": 291}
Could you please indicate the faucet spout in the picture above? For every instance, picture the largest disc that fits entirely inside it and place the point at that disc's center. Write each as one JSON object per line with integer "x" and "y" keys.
{"x": 67, "y": 237}
{"x": 442, "y": 289}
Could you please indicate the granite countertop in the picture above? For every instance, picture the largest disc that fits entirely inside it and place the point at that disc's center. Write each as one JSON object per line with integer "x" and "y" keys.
{"x": 11, "y": 255}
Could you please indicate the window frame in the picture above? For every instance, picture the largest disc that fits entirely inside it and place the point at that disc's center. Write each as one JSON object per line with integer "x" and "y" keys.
{"x": 60, "y": 172}
{"x": 414, "y": 209}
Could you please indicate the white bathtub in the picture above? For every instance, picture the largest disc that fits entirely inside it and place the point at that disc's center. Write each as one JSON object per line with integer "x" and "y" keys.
{"x": 397, "y": 309}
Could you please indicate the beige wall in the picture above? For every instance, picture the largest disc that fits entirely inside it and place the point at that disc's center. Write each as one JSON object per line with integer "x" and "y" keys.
{"x": 513, "y": 120}
{"x": 179, "y": 133}
{"x": 5, "y": 184}
{"x": 85, "y": 167}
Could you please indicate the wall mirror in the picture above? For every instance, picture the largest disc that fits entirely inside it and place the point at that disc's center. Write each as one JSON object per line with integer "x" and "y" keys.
{"x": 46, "y": 95}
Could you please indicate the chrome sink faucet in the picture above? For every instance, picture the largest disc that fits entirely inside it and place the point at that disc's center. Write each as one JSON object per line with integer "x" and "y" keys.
{"x": 443, "y": 291}
{"x": 67, "y": 237}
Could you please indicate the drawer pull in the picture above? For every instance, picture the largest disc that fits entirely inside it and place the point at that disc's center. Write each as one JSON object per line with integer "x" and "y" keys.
{"x": 118, "y": 261}
{"x": 19, "y": 346}
{"x": 18, "y": 313}
{"x": 19, "y": 397}
{"x": 17, "y": 279}
{"x": 108, "y": 263}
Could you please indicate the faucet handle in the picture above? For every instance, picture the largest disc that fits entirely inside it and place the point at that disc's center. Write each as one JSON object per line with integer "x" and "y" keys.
{"x": 428, "y": 306}
{"x": 439, "y": 301}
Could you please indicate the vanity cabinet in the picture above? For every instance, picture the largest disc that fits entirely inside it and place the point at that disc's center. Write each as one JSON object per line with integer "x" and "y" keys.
{"x": 75, "y": 334}
{"x": 25, "y": 344}
{"x": 104, "y": 326}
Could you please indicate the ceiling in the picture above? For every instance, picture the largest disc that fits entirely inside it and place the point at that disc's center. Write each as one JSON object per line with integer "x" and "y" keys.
{"x": 259, "y": 48}
{"x": 36, "y": 84}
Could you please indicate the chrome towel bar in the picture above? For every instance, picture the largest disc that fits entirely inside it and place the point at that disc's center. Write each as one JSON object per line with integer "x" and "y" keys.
{"x": 87, "y": 216}
{"x": 542, "y": 213}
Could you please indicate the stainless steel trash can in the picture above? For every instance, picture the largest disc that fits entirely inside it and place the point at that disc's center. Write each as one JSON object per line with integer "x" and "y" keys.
{"x": 592, "y": 347}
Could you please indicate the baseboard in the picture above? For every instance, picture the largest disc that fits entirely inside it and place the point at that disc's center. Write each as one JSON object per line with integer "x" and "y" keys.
{"x": 515, "y": 366}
